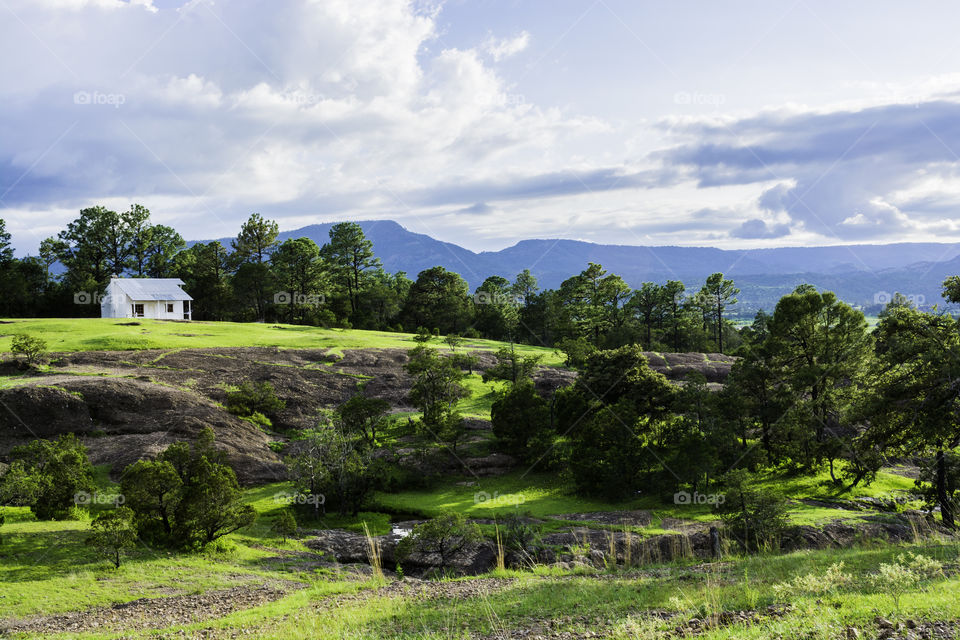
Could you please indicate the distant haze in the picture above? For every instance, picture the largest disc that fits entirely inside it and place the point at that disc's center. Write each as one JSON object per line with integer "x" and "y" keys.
{"x": 864, "y": 275}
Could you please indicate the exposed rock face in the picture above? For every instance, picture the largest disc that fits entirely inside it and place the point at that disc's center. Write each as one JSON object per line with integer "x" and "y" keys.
{"x": 123, "y": 420}
{"x": 41, "y": 412}
{"x": 715, "y": 367}
{"x": 583, "y": 546}
{"x": 347, "y": 547}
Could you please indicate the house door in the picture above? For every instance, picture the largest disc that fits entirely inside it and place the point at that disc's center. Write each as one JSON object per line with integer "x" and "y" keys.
{"x": 138, "y": 310}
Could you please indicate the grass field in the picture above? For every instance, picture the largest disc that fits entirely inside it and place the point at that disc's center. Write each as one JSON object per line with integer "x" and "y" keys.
{"x": 111, "y": 334}
{"x": 46, "y": 567}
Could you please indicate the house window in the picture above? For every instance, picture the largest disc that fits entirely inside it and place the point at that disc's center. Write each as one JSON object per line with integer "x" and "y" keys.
{"x": 138, "y": 311}
{"x": 169, "y": 307}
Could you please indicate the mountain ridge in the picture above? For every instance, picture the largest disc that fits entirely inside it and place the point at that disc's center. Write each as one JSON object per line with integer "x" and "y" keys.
{"x": 860, "y": 274}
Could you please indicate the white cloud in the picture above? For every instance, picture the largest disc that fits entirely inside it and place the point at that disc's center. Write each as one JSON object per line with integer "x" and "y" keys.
{"x": 500, "y": 48}
{"x": 312, "y": 110}
{"x": 330, "y": 108}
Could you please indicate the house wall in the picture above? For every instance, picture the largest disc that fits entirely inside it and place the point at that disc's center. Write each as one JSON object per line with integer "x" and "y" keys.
{"x": 121, "y": 306}
{"x": 157, "y": 310}
{"x": 115, "y": 303}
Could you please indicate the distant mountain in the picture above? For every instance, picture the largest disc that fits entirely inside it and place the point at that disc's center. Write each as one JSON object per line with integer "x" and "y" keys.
{"x": 859, "y": 274}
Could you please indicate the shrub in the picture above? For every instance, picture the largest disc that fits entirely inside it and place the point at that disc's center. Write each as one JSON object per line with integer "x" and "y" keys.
{"x": 284, "y": 525}
{"x": 48, "y": 476}
{"x": 364, "y": 416}
{"x": 152, "y": 489}
{"x": 576, "y": 351}
{"x": 908, "y": 572}
{"x": 113, "y": 532}
{"x": 445, "y": 535}
{"x": 30, "y": 348}
{"x": 250, "y": 399}
{"x": 259, "y": 419}
{"x": 211, "y": 505}
{"x": 521, "y": 421}
{"x": 756, "y": 517}
{"x": 520, "y": 537}
{"x": 188, "y": 497}
{"x": 814, "y": 584}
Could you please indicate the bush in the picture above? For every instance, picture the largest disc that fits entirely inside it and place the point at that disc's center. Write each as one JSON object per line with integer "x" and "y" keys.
{"x": 756, "y": 517}
{"x": 113, "y": 532}
{"x": 259, "y": 419}
{"x": 30, "y": 348}
{"x": 284, "y": 525}
{"x": 188, "y": 497}
{"x": 49, "y": 476}
{"x": 445, "y": 535}
{"x": 521, "y": 421}
{"x": 364, "y": 416}
{"x": 908, "y": 572}
{"x": 211, "y": 505}
{"x": 251, "y": 399}
{"x": 814, "y": 584}
{"x": 520, "y": 537}
{"x": 576, "y": 351}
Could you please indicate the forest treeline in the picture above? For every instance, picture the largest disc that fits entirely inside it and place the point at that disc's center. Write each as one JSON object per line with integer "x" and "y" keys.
{"x": 343, "y": 284}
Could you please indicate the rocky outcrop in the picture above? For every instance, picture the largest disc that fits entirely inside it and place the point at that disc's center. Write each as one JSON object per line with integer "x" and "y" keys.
{"x": 347, "y": 547}
{"x": 585, "y": 546}
{"x": 122, "y": 420}
{"x": 715, "y": 367}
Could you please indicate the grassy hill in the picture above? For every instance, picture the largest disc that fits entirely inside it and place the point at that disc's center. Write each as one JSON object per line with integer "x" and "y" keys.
{"x": 111, "y": 334}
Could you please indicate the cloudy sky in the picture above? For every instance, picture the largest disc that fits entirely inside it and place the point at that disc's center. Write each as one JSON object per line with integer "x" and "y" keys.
{"x": 483, "y": 122}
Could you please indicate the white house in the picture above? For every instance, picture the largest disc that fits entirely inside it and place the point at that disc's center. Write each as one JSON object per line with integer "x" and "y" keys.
{"x": 157, "y": 298}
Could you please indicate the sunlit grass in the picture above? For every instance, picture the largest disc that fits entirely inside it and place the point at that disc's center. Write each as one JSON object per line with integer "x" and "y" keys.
{"x": 99, "y": 334}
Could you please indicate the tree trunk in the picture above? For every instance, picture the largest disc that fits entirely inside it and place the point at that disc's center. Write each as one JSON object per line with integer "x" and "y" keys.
{"x": 720, "y": 328}
{"x": 943, "y": 497}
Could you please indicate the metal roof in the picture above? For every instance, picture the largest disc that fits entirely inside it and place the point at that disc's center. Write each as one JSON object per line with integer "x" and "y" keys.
{"x": 152, "y": 288}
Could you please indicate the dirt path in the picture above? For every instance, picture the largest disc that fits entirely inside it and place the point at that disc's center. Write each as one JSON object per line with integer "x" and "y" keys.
{"x": 153, "y": 613}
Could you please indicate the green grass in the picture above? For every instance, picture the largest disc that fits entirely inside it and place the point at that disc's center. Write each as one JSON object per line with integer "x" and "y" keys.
{"x": 618, "y": 605}
{"x": 112, "y": 334}
{"x": 535, "y": 494}
{"x": 481, "y": 398}
{"x": 45, "y": 568}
